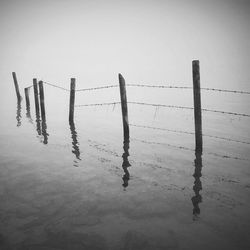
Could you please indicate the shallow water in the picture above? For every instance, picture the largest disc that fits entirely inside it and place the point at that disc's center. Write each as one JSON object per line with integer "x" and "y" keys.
{"x": 79, "y": 187}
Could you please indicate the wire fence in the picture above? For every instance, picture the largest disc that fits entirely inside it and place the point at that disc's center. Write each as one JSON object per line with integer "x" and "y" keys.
{"x": 164, "y": 106}
{"x": 153, "y": 104}
{"x": 190, "y": 149}
{"x": 189, "y": 133}
{"x": 56, "y": 86}
{"x": 149, "y": 86}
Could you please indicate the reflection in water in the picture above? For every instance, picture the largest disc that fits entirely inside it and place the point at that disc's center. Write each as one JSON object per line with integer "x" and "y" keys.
{"x": 125, "y": 163}
{"x": 75, "y": 143}
{"x": 44, "y": 132}
{"x": 38, "y": 124}
{"x": 197, "y": 198}
{"x": 18, "y": 113}
{"x": 28, "y": 115}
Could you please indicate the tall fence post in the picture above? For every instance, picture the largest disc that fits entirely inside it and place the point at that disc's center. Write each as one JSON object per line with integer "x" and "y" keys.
{"x": 26, "y": 90}
{"x": 197, "y": 106}
{"x": 124, "y": 108}
{"x": 72, "y": 99}
{"x": 36, "y": 96}
{"x": 42, "y": 100}
{"x": 16, "y": 86}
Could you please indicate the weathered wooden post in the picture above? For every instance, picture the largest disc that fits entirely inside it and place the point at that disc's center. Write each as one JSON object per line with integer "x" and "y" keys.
{"x": 197, "y": 106}
{"x": 42, "y": 100}
{"x": 36, "y": 97}
{"x": 26, "y": 90}
{"x": 19, "y": 98}
{"x": 124, "y": 108}
{"x": 72, "y": 99}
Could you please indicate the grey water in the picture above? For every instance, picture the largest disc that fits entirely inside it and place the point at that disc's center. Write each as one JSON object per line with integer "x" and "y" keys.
{"x": 78, "y": 186}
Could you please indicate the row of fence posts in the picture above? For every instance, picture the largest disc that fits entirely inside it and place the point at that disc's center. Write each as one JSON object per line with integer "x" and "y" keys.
{"x": 196, "y": 199}
{"x": 124, "y": 107}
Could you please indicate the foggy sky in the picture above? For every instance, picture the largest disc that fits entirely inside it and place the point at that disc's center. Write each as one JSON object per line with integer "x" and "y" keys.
{"x": 150, "y": 41}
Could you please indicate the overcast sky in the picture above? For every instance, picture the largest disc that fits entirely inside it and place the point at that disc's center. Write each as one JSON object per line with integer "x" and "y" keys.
{"x": 148, "y": 41}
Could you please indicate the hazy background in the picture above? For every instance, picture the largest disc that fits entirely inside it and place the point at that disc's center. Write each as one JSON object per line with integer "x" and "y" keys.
{"x": 147, "y": 41}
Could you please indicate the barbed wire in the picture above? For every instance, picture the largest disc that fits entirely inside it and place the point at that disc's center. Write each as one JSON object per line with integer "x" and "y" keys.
{"x": 97, "y": 104}
{"x": 185, "y": 87}
{"x": 165, "y": 106}
{"x": 157, "y": 86}
{"x": 189, "y": 108}
{"x": 56, "y": 86}
{"x": 190, "y": 149}
{"x": 229, "y": 91}
{"x": 190, "y": 133}
{"x": 150, "y": 86}
{"x": 96, "y": 88}
{"x": 225, "y": 112}
{"x": 160, "y": 105}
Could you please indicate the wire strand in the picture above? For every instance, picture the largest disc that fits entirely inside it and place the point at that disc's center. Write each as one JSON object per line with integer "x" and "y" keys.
{"x": 97, "y": 104}
{"x": 97, "y": 88}
{"x": 190, "y": 133}
{"x": 189, "y": 108}
{"x": 186, "y": 87}
{"x": 56, "y": 86}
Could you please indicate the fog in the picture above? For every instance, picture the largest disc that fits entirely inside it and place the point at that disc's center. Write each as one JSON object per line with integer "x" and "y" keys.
{"x": 147, "y": 41}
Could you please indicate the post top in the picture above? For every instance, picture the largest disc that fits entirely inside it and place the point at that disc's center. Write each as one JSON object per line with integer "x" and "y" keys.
{"x": 195, "y": 61}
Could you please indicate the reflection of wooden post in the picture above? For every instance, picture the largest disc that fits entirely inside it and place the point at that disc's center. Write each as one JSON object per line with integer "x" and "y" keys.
{"x": 197, "y": 198}
{"x": 26, "y": 90}
{"x": 197, "y": 106}
{"x": 36, "y": 96}
{"x": 75, "y": 143}
{"x": 16, "y": 86}
{"x": 42, "y": 100}
{"x": 124, "y": 108}
{"x": 72, "y": 99}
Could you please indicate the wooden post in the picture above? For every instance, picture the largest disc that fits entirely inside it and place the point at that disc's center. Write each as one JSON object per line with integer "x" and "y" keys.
{"x": 124, "y": 108}
{"x": 72, "y": 99}
{"x": 197, "y": 106}
{"x": 36, "y": 97}
{"x": 26, "y": 90}
{"x": 42, "y": 100}
{"x": 19, "y": 98}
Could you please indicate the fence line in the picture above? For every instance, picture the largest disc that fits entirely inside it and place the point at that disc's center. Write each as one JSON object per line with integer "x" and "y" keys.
{"x": 190, "y": 108}
{"x": 189, "y": 149}
{"x": 150, "y": 86}
{"x": 96, "y": 88}
{"x": 158, "y": 86}
{"x": 56, "y": 86}
{"x": 186, "y": 132}
{"x": 227, "y": 91}
{"x": 97, "y": 104}
{"x": 184, "y": 87}
{"x": 165, "y": 106}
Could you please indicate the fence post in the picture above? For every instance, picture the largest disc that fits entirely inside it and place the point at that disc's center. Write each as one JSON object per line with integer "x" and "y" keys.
{"x": 197, "y": 106}
{"x": 19, "y": 98}
{"x": 36, "y": 96}
{"x": 26, "y": 90}
{"x": 42, "y": 100}
{"x": 72, "y": 99}
{"x": 124, "y": 108}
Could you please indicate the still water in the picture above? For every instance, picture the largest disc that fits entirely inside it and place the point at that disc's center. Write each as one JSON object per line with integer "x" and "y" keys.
{"x": 78, "y": 186}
